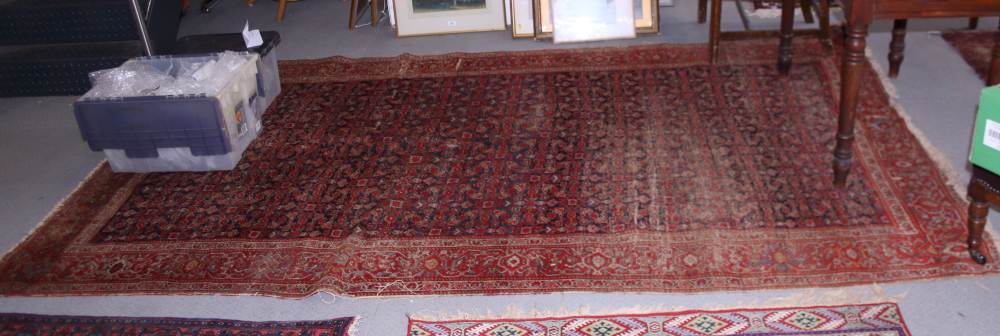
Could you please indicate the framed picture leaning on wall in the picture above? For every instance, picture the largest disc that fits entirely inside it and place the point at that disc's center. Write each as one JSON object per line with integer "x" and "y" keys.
{"x": 543, "y": 20}
{"x": 431, "y": 17}
{"x": 522, "y": 15}
{"x": 592, "y": 20}
{"x": 647, "y": 17}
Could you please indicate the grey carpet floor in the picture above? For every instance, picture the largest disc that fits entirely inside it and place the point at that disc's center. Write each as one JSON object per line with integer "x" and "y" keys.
{"x": 44, "y": 159}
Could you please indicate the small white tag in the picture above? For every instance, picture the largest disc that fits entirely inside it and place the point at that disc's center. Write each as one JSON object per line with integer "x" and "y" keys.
{"x": 992, "y": 135}
{"x": 251, "y": 37}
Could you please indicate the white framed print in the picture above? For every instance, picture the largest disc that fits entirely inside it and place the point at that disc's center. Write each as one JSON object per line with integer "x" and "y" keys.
{"x": 592, "y": 20}
{"x": 431, "y": 17}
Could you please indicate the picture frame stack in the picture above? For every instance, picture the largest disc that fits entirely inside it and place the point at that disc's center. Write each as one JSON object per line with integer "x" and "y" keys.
{"x": 580, "y": 20}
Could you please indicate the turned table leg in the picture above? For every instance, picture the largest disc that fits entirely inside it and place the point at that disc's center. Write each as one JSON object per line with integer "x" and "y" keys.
{"x": 854, "y": 58}
{"x": 978, "y": 210}
{"x": 785, "y": 45}
{"x": 896, "y": 47}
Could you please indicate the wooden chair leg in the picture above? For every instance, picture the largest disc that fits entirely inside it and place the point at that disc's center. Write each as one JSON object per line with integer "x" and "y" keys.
{"x": 807, "y": 14}
{"x": 787, "y": 32}
{"x": 824, "y": 27}
{"x": 281, "y": 10}
{"x": 702, "y": 4}
{"x": 973, "y": 22}
{"x": 714, "y": 26}
{"x": 896, "y": 47}
{"x": 351, "y": 21}
{"x": 375, "y": 5}
{"x": 978, "y": 209}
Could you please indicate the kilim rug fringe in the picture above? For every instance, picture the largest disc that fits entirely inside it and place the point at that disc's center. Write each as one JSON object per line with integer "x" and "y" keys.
{"x": 849, "y": 296}
{"x": 952, "y": 177}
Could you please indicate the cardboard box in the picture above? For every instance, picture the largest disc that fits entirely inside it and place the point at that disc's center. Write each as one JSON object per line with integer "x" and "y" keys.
{"x": 986, "y": 139}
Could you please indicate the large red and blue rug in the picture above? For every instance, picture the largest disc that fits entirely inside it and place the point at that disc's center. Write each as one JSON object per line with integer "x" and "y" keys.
{"x": 881, "y": 319}
{"x": 623, "y": 169}
{"x": 47, "y": 325}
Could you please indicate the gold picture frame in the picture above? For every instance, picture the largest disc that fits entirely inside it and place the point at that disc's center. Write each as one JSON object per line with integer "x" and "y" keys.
{"x": 522, "y": 18}
{"x": 543, "y": 20}
{"x": 419, "y": 18}
{"x": 647, "y": 20}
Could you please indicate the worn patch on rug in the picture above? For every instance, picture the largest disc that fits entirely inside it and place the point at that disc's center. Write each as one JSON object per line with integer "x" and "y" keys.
{"x": 976, "y": 47}
{"x": 49, "y": 325}
{"x": 882, "y": 319}
{"x": 624, "y": 169}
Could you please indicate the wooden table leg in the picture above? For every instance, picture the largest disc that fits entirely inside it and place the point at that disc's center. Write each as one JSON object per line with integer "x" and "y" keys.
{"x": 854, "y": 58}
{"x": 701, "y": 10}
{"x": 978, "y": 210}
{"x": 713, "y": 31}
{"x": 896, "y": 47}
{"x": 994, "y": 76}
{"x": 785, "y": 44}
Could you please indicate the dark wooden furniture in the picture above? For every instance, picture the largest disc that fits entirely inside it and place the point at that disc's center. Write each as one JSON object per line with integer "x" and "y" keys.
{"x": 861, "y": 13}
{"x": 984, "y": 188}
{"x": 788, "y": 15}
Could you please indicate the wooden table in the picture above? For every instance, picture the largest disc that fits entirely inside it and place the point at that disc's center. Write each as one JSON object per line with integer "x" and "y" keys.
{"x": 861, "y": 13}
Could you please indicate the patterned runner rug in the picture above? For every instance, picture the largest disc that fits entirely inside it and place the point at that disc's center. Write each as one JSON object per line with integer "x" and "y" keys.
{"x": 865, "y": 320}
{"x": 44, "y": 325}
{"x": 621, "y": 169}
{"x": 876, "y": 319}
{"x": 975, "y": 46}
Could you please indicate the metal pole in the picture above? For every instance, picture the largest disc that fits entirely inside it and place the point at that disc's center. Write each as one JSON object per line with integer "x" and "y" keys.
{"x": 140, "y": 23}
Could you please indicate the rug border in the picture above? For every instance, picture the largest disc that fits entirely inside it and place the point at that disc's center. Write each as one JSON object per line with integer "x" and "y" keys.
{"x": 951, "y": 175}
{"x": 851, "y": 296}
{"x": 59, "y": 206}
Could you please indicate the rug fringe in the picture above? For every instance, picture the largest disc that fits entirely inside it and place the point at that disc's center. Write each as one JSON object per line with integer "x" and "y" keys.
{"x": 352, "y": 330}
{"x": 854, "y": 295}
{"x": 54, "y": 210}
{"x": 952, "y": 177}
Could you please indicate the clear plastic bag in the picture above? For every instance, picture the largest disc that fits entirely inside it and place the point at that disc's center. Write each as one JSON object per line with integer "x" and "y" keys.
{"x": 134, "y": 79}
